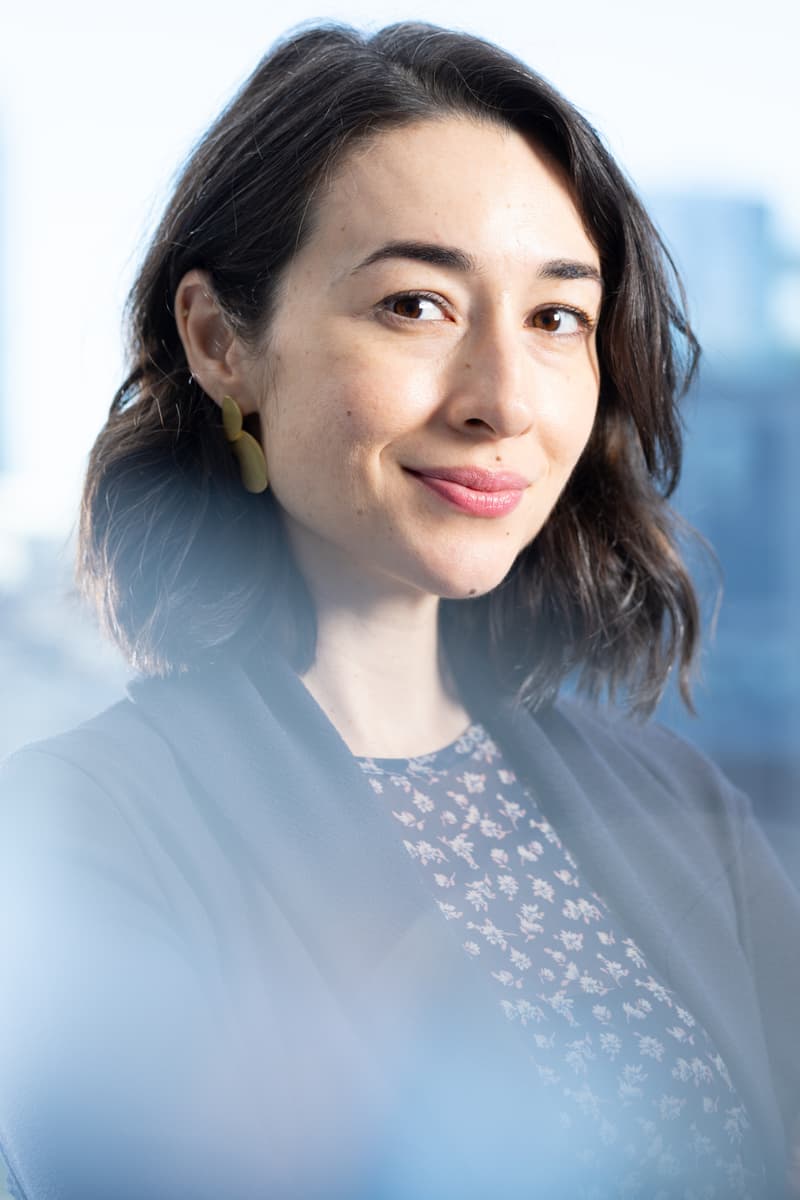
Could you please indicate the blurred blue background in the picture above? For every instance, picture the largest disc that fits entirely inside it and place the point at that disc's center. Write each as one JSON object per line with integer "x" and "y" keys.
{"x": 98, "y": 106}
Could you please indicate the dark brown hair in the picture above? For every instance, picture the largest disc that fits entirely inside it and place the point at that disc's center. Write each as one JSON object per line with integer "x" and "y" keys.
{"x": 185, "y": 566}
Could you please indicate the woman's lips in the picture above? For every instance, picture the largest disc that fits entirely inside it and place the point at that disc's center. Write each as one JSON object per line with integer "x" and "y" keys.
{"x": 477, "y": 503}
{"x": 478, "y": 478}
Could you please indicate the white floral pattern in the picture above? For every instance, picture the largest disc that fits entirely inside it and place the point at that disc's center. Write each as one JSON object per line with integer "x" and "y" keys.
{"x": 637, "y": 1079}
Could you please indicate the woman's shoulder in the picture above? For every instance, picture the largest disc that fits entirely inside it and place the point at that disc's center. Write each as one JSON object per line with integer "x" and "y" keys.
{"x": 628, "y": 745}
{"x": 101, "y": 828}
{"x": 88, "y": 801}
{"x": 68, "y": 797}
{"x": 130, "y": 741}
{"x": 114, "y": 745}
{"x": 126, "y": 787}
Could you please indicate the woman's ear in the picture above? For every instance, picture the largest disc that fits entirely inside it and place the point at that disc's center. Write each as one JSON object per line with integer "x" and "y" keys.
{"x": 213, "y": 351}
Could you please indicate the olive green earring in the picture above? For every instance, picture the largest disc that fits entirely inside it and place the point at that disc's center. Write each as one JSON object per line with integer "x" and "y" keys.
{"x": 252, "y": 463}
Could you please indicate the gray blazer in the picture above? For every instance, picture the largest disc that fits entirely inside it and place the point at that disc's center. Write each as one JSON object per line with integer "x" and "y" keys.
{"x": 221, "y": 979}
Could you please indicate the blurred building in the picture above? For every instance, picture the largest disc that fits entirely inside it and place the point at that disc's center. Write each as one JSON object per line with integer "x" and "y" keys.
{"x": 741, "y": 490}
{"x": 724, "y": 250}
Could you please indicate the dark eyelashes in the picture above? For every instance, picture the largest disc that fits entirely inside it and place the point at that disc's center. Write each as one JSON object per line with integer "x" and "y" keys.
{"x": 434, "y": 298}
{"x": 586, "y": 322}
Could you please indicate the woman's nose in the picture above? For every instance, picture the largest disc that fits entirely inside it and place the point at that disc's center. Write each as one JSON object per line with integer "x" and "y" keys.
{"x": 489, "y": 382}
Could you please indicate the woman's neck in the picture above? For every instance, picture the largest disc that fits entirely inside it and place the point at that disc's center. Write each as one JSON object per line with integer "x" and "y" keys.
{"x": 382, "y": 680}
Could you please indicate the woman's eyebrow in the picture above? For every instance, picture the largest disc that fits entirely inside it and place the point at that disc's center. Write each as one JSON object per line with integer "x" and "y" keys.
{"x": 428, "y": 252}
{"x": 569, "y": 268}
{"x": 459, "y": 260}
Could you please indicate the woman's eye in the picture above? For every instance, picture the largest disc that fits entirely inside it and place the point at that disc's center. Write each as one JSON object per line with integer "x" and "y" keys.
{"x": 413, "y": 306}
{"x": 563, "y": 321}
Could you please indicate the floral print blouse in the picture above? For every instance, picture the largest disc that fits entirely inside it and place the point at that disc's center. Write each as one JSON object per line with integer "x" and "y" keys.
{"x": 645, "y": 1095}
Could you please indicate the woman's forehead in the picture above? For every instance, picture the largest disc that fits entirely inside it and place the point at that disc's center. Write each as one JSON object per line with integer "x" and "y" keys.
{"x": 453, "y": 181}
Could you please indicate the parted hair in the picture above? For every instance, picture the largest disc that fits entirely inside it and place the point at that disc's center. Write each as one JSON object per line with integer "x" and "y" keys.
{"x": 185, "y": 567}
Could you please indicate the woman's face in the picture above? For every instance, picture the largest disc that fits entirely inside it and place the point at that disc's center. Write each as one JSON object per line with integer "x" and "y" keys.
{"x": 441, "y": 316}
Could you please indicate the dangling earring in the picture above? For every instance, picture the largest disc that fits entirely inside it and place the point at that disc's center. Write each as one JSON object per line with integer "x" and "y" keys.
{"x": 252, "y": 463}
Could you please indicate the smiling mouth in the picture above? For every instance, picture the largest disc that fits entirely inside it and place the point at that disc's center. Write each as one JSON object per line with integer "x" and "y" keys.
{"x": 478, "y": 503}
{"x": 478, "y": 479}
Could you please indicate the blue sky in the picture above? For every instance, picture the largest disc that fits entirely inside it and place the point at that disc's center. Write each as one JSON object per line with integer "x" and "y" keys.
{"x": 99, "y": 104}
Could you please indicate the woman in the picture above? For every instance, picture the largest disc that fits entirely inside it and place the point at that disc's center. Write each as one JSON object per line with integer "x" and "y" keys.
{"x": 343, "y": 900}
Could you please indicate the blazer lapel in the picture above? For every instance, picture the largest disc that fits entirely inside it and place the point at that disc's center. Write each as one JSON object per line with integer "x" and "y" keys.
{"x": 284, "y": 790}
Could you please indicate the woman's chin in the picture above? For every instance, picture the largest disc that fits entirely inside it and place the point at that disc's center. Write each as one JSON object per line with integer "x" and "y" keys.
{"x": 470, "y": 591}
{"x": 466, "y": 581}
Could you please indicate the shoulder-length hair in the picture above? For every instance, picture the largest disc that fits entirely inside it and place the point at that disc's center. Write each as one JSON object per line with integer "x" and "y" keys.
{"x": 185, "y": 566}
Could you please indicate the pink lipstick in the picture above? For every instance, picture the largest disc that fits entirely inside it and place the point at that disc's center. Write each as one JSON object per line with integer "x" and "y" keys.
{"x": 473, "y": 490}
